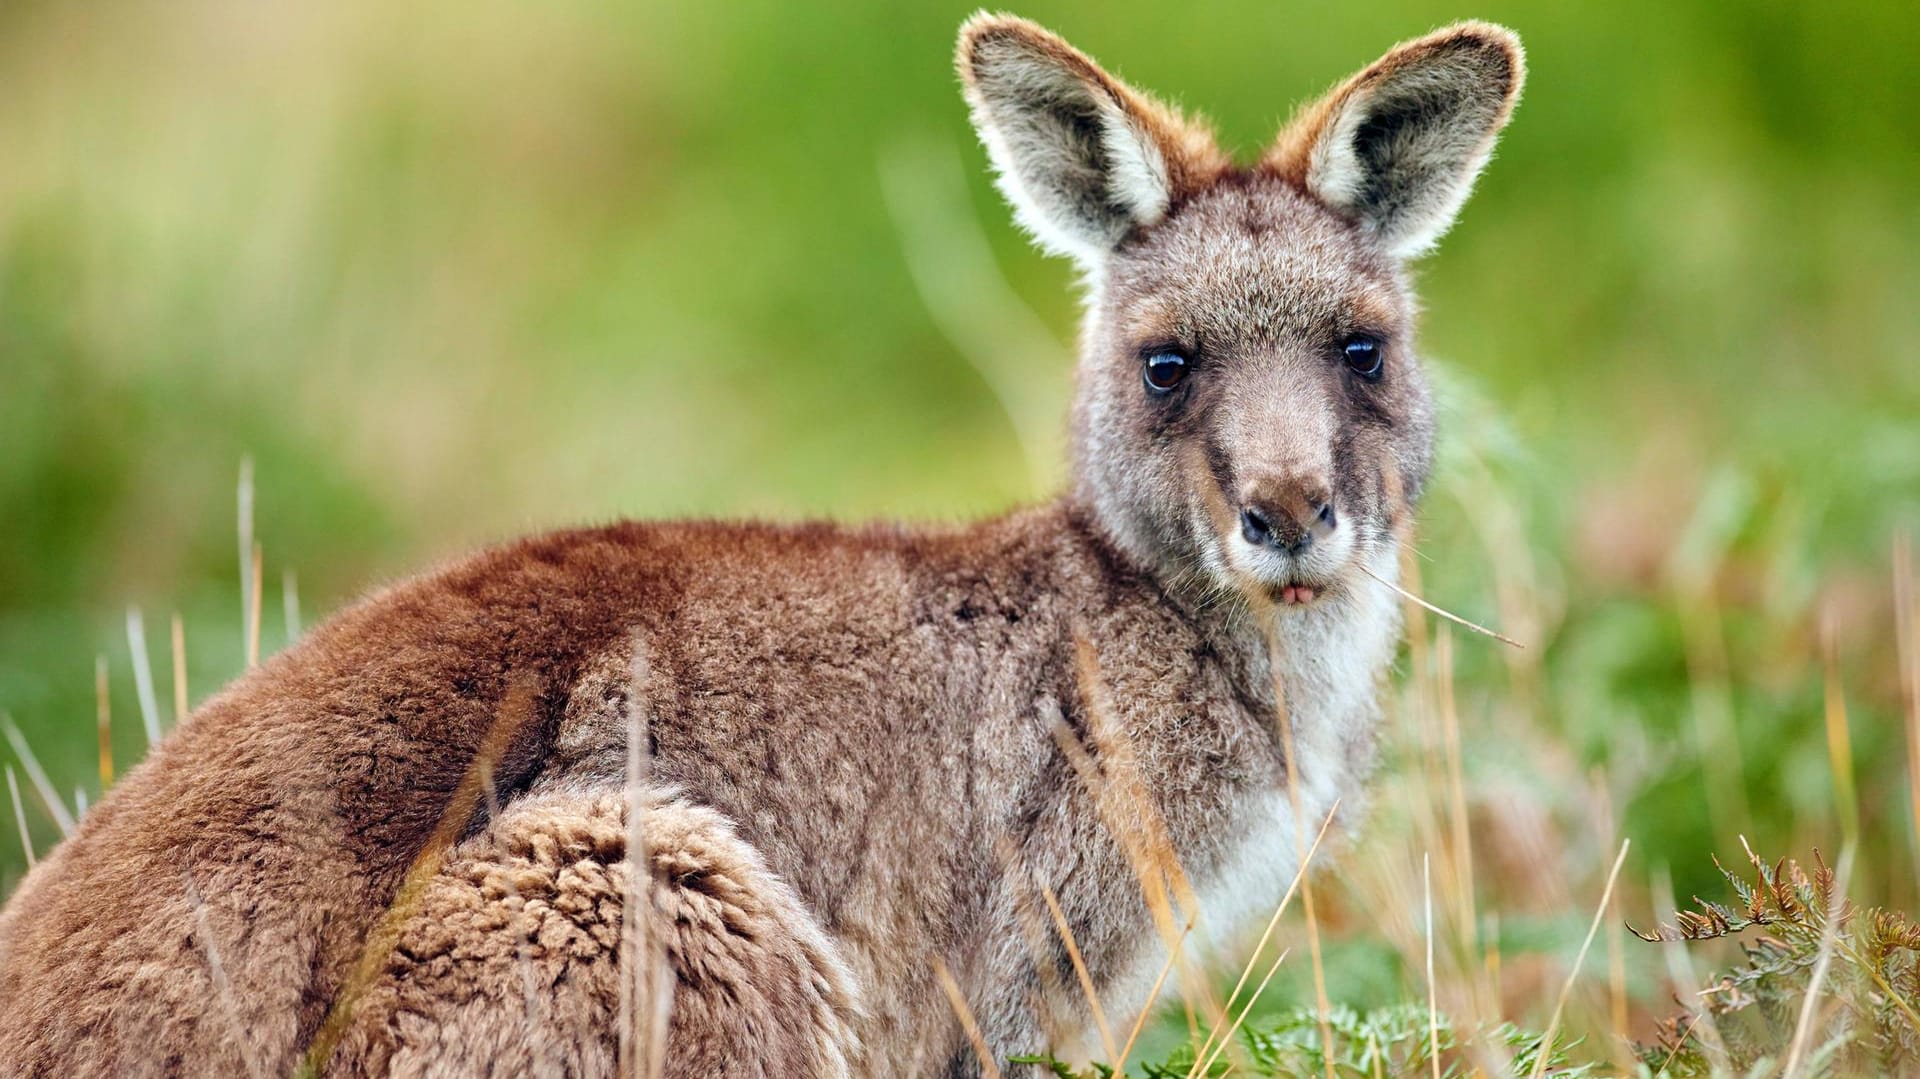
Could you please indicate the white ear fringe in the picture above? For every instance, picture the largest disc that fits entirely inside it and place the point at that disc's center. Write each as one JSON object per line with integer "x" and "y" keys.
{"x": 1334, "y": 172}
{"x": 1137, "y": 176}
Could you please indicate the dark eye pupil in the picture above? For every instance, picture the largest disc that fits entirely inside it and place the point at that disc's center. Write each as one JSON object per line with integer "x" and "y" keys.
{"x": 1363, "y": 355}
{"x": 1165, "y": 370}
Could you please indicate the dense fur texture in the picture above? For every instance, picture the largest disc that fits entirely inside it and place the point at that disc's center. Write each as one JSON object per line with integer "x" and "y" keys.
{"x": 822, "y": 761}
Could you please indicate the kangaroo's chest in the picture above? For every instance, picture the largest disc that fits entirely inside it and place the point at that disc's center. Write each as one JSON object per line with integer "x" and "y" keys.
{"x": 1327, "y": 668}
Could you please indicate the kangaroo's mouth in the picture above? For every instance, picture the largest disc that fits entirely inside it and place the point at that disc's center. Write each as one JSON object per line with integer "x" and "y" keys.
{"x": 1298, "y": 595}
{"x": 1298, "y": 591}
{"x": 1290, "y": 582}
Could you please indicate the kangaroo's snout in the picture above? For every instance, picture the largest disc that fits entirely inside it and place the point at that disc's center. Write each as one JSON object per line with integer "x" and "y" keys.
{"x": 1287, "y": 514}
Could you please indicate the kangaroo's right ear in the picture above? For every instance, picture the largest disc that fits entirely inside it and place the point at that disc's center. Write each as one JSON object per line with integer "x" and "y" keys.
{"x": 1398, "y": 146}
{"x": 1084, "y": 159}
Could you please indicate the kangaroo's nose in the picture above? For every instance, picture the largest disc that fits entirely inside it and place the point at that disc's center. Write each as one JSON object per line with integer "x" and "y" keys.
{"x": 1288, "y": 518}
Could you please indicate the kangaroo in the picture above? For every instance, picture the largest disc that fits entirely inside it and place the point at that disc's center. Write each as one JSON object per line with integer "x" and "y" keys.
{"x": 758, "y": 799}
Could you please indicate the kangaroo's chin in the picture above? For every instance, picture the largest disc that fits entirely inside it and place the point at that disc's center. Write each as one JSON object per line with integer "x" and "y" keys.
{"x": 1294, "y": 581}
{"x": 1291, "y": 587}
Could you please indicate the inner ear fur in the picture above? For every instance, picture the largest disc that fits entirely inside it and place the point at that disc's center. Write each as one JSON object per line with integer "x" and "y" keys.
{"x": 1083, "y": 158}
{"x": 1399, "y": 145}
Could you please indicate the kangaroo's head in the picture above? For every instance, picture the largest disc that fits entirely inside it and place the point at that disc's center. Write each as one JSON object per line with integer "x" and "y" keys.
{"x": 1249, "y": 404}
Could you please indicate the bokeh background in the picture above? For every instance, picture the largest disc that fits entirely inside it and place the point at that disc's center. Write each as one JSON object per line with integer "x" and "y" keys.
{"x": 449, "y": 272}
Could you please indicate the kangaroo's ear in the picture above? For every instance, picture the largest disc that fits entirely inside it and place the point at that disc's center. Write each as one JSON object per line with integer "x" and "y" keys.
{"x": 1083, "y": 159}
{"x": 1399, "y": 145}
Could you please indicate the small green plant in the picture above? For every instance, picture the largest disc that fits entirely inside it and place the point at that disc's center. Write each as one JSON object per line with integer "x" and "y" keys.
{"x": 1392, "y": 1041}
{"x": 1862, "y": 968}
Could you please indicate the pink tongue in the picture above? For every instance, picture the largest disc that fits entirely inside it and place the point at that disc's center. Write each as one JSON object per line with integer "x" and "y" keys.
{"x": 1296, "y": 593}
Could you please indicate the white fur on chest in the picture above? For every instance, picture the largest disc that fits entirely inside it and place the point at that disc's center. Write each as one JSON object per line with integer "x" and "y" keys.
{"x": 1332, "y": 659}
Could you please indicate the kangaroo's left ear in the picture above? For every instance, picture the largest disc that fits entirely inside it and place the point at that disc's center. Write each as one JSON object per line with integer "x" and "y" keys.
{"x": 1399, "y": 145}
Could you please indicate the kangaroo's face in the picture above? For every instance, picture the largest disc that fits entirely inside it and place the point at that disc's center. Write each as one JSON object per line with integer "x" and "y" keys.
{"x": 1248, "y": 394}
{"x": 1250, "y": 408}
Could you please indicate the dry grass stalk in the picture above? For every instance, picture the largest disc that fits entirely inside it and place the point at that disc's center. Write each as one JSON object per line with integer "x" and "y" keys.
{"x": 958, "y": 1000}
{"x": 20, "y": 818}
{"x": 1680, "y": 1042}
{"x": 1839, "y": 739}
{"x": 1906, "y": 612}
{"x": 1152, "y": 863}
{"x": 1080, "y": 971}
{"x": 1573, "y": 975}
{"x": 1140, "y": 1021}
{"x": 645, "y": 988}
{"x": 1829, "y": 939}
{"x": 1495, "y": 983}
{"x": 1299, "y": 877}
{"x": 512, "y": 715}
{"x": 1467, "y": 912}
{"x": 290, "y": 603}
{"x": 1202, "y": 1066}
{"x": 1283, "y": 719}
{"x": 243, "y": 518}
{"x": 179, "y": 669}
{"x": 1617, "y": 1013}
{"x": 1446, "y": 614}
{"x": 1497, "y": 522}
{"x": 1118, "y": 767}
{"x": 523, "y": 940}
{"x": 1431, "y": 688}
{"x": 253, "y": 612}
{"x": 42, "y": 786}
{"x": 1035, "y": 932}
{"x": 103, "y": 721}
{"x": 1433, "y": 984}
{"x": 143, "y": 674}
{"x": 1125, "y": 807}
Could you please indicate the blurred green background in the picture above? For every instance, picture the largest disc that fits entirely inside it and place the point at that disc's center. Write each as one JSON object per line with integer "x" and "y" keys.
{"x": 450, "y": 272}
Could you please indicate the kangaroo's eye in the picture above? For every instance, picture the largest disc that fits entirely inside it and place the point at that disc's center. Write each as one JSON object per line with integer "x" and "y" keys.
{"x": 1365, "y": 356}
{"x": 1164, "y": 371}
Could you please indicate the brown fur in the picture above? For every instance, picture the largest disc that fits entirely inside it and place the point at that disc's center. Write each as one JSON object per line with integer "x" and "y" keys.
{"x": 852, "y": 769}
{"x": 511, "y": 960}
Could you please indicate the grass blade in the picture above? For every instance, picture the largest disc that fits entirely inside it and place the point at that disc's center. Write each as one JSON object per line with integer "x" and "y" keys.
{"x": 103, "y": 721}
{"x": 20, "y": 817}
{"x": 143, "y": 674}
{"x": 56, "y": 808}
{"x": 958, "y": 1000}
{"x": 179, "y": 669}
{"x": 1573, "y": 975}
